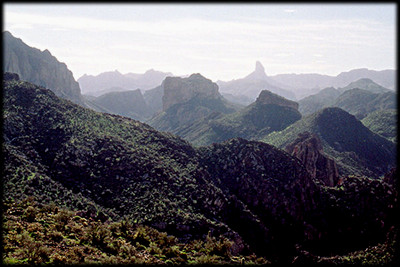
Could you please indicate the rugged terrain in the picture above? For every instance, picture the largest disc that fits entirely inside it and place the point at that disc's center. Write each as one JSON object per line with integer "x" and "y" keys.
{"x": 353, "y": 146}
{"x": 39, "y": 67}
{"x": 359, "y": 98}
{"x": 254, "y": 196}
{"x": 270, "y": 112}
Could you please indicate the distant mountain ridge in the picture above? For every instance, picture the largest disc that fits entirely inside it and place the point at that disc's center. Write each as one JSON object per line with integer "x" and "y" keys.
{"x": 104, "y": 82}
{"x": 253, "y": 84}
{"x": 39, "y": 67}
{"x": 360, "y": 102}
{"x": 358, "y": 98}
{"x": 302, "y": 84}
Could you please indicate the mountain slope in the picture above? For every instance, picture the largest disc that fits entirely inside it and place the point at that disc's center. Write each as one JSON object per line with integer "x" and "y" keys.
{"x": 366, "y": 84}
{"x": 125, "y": 103}
{"x": 358, "y": 98}
{"x": 383, "y": 122}
{"x": 313, "y": 103}
{"x": 259, "y": 197}
{"x": 360, "y": 102}
{"x": 268, "y": 113}
{"x": 39, "y": 67}
{"x": 354, "y": 147}
{"x": 118, "y": 164}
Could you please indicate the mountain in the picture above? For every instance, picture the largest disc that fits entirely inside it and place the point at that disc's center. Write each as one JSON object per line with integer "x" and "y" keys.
{"x": 386, "y": 78}
{"x": 150, "y": 79}
{"x": 366, "y": 84}
{"x": 253, "y": 84}
{"x": 106, "y": 81}
{"x": 302, "y": 84}
{"x": 358, "y": 98}
{"x": 125, "y": 103}
{"x": 313, "y": 103}
{"x": 186, "y": 100}
{"x": 383, "y": 122}
{"x": 360, "y": 102}
{"x": 39, "y": 67}
{"x": 270, "y": 112}
{"x": 345, "y": 139}
{"x": 250, "y": 195}
{"x": 112, "y": 161}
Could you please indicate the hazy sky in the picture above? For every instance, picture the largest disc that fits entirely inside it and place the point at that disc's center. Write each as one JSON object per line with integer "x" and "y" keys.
{"x": 220, "y": 41}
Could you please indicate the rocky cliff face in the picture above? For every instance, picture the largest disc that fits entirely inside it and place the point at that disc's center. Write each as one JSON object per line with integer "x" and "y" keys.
{"x": 179, "y": 90}
{"x": 308, "y": 148}
{"x": 39, "y": 67}
{"x": 267, "y": 97}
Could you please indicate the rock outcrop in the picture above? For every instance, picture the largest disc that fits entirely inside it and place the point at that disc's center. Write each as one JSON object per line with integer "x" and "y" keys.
{"x": 179, "y": 90}
{"x": 267, "y": 97}
{"x": 308, "y": 148}
{"x": 39, "y": 67}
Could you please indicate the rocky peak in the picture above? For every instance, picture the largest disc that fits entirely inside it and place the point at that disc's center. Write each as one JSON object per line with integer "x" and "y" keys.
{"x": 258, "y": 73}
{"x": 180, "y": 90}
{"x": 259, "y": 67}
{"x": 308, "y": 148}
{"x": 267, "y": 97}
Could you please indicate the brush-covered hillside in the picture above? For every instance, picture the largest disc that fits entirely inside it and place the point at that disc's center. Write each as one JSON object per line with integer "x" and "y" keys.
{"x": 354, "y": 147}
{"x": 270, "y": 112}
{"x": 105, "y": 168}
{"x": 383, "y": 122}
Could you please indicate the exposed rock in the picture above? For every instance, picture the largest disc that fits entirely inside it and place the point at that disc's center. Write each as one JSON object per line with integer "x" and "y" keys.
{"x": 267, "y": 97}
{"x": 308, "y": 148}
{"x": 40, "y": 68}
{"x": 178, "y": 90}
{"x": 258, "y": 73}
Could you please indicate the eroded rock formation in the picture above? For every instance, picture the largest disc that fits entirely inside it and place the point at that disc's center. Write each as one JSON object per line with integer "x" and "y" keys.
{"x": 308, "y": 148}
{"x": 39, "y": 67}
{"x": 179, "y": 90}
